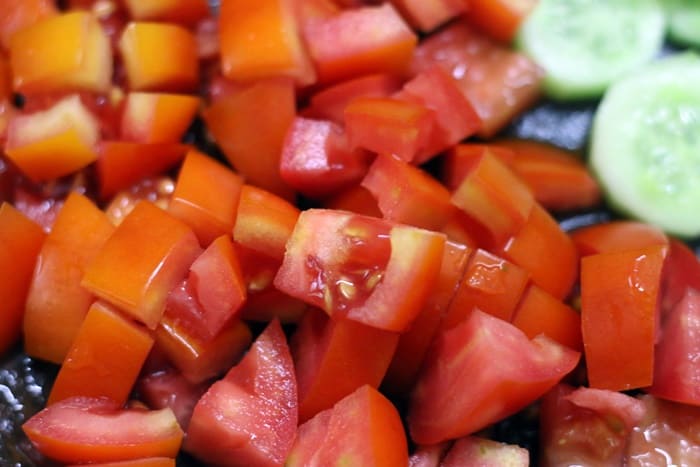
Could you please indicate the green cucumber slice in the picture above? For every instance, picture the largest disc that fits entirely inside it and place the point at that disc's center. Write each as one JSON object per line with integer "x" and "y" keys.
{"x": 684, "y": 21}
{"x": 585, "y": 45}
{"x": 645, "y": 144}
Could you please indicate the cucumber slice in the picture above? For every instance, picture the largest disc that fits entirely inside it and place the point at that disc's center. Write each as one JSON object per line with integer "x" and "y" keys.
{"x": 645, "y": 144}
{"x": 684, "y": 21}
{"x": 585, "y": 45}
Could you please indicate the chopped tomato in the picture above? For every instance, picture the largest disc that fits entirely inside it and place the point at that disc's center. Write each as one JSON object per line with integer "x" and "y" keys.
{"x": 472, "y": 450}
{"x": 157, "y": 117}
{"x": 177, "y": 11}
{"x": 250, "y": 416}
{"x": 499, "y": 82}
{"x": 426, "y": 15}
{"x": 85, "y": 430}
{"x": 167, "y": 388}
{"x": 682, "y": 273}
{"x": 361, "y": 267}
{"x": 429, "y": 456}
{"x": 146, "y": 462}
{"x": 499, "y": 19}
{"x": 461, "y": 391}
{"x": 19, "y": 14}
{"x": 617, "y": 236}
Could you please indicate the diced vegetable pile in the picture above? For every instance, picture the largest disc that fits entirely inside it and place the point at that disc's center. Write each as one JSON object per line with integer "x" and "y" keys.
{"x": 289, "y": 232}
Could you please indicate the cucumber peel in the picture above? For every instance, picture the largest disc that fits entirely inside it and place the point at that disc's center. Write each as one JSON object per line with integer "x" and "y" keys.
{"x": 645, "y": 145}
{"x": 585, "y": 45}
{"x": 684, "y": 21}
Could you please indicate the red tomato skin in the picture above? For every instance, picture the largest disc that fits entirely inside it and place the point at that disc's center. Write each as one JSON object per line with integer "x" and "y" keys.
{"x": 676, "y": 367}
{"x": 86, "y": 430}
{"x": 460, "y": 391}
{"x": 250, "y": 417}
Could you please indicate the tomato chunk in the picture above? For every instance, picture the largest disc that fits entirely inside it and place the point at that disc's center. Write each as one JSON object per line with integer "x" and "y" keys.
{"x": 157, "y": 117}
{"x": 84, "y": 430}
{"x": 472, "y": 450}
{"x": 249, "y": 417}
{"x": 360, "y": 267}
{"x": 461, "y": 391}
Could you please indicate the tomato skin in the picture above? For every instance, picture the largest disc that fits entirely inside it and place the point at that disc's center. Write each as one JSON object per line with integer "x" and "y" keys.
{"x": 675, "y": 356}
{"x": 620, "y": 298}
{"x": 488, "y": 81}
{"x": 250, "y": 417}
{"x": 20, "y": 243}
{"x": 617, "y": 236}
{"x": 459, "y": 391}
{"x": 56, "y": 303}
{"x": 105, "y": 357}
{"x": 85, "y": 430}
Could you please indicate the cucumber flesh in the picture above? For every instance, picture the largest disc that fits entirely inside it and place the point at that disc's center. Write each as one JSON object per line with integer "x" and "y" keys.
{"x": 684, "y": 21}
{"x": 645, "y": 144}
{"x": 585, "y": 45}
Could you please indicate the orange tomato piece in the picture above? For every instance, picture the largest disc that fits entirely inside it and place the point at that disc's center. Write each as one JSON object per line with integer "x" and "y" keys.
{"x": 360, "y": 41}
{"x": 148, "y": 254}
{"x": 619, "y": 313}
{"x": 334, "y": 357}
{"x": 459, "y": 160}
{"x": 105, "y": 357}
{"x": 157, "y": 117}
{"x": 65, "y": 52}
{"x": 545, "y": 251}
{"x": 265, "y": 222}
{"x": 499, "y": 19}
{"x": 57, "y": 304}
{"x": 206, "y": 197}
{"x": 86, "y": 430}
{"x": 540, "y": 313}
{"x": 20, "y": 243}
{"x": 121, "y": 164}
{"x": 52, "y": 143}
{"x": 250, "y": 126}
{"x": 261, "y": 40}
{"x": 490, "y": 284}
{"x": 159, "y": 57}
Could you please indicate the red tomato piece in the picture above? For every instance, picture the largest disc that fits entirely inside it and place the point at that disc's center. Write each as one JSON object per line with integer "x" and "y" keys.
{"x": 21, "y": 241}
{"x": 499, "y": 82}
{"x": 460, "y": 391}
{"x": 675, "y": 364}
{"x": 585, "y": 435}
{"x": 617, "y": 236}
{"x": 490, "y": 284}
{"x": 540, "y": 313}
{"x": 65, "y": 52}
{"x": 157, "y": 117}
{"x": 620, "y": 297}
{"x": 121, "y": 164}
{"x": 261, "y": 40}
{"x": 408, "y": 195}
{"x": 148, "y": 462}
{"x": 217, "y": 280}
{"x": 388, "y": 125}
{"x": 682, "y": 272}
{"x": 186, "y": 12}
{"x": 105, "y": 357}
{"x": 159, "y": 57}
{"x": 357, "y": 199}
{"x": 495, "y": 198}
{"x": 624, "y": 408}
{"x": 558, "y": 178}
{"x": 334, "y": 357}
{"x": 206, "y": 197}
{"x": 415, "y": 341}
{"x": 169, "y": 389}
{"x": 198, "y": 359}
{"x": 19, "y": 14}
{"x": 264, "y": 222}
{"x": 667, "y": 435}
{"x": 52, "y": 143}
{"x": 330, "y": 102}
{"x": 364, "y": 428}
{"x": 85, "y": 430}
{"x": 250, "y": 416}
{"x": 545, "y": 251}
{"x": 317, "y": 160}
{"x": 427, "y": 15}
{"x": 57, "y": 304}
{"x": 499, "y": 19}
{"x": 459, "y": 161}
{"x": 250, "y": 126}
{"x": 482, "y": 452}
{"x": 455, "y": 118}
{"x": 151, "y": 250}
{"x": 361, "y": 267}
{"x": 360, "y": 41}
